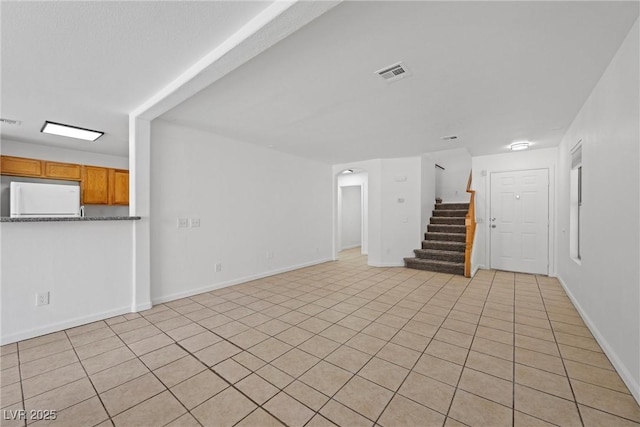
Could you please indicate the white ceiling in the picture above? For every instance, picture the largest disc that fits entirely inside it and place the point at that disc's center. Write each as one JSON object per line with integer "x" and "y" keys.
{"x": 90, "y": 63}
{"x": 489, "y": 72}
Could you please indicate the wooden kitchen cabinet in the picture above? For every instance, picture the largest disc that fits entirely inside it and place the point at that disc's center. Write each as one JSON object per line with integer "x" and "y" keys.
{"x": 95, "y": 185}
{"x": 20, "y": 166}
{"x": 99, "y": 185}
{"x": 65, "y": 171}
{"x": 118, "y": 187}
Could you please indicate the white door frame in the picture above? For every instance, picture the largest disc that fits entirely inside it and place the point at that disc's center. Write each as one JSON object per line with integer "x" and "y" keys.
{"x": 551, "y": 250}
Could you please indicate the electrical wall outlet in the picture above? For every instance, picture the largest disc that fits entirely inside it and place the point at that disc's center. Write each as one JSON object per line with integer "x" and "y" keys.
{"x": 269, "y": 254}
{"x": 183, "y": 222}
{"x": 218, "y": 268}
{"x": 195, "y": 222}
{"x": 42, "y": 298}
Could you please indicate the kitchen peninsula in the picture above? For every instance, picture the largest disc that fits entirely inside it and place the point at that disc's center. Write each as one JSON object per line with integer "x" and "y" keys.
{"x": 84, "y": 265}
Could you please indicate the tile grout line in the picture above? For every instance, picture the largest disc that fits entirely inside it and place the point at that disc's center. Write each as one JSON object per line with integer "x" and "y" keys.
{"x": 90, "y": 382}
{"x": 344, "y": 344}
{"x": 457, "y": 386}
{"x": 370, "y": 358}
{"x": 422, "y": 353}
{"x": 513, "y": 364}
{"x": 151, "y": 372}
{"x": 389, "y": 340}
{"x": 24, "y": 404}
{"x": 575, "y": 400}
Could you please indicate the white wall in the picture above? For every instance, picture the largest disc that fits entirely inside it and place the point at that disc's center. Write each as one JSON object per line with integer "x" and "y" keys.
{"x": 401, "y": 204}
{"x": 483, "y": 166}
{"x": 428, "y": 192}
{"x": 605, "y": 287}
{"x": 451, "y": 183}
{"x": 394, "y": 227}
{"x": 261, "y": 211}
{"x": 86, "y": 267}
{"x": 351, "y": 228}
{"x": 43, "y": 152}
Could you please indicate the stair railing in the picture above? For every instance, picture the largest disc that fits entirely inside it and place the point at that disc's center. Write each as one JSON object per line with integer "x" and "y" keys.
{"x": 470, "y": 225}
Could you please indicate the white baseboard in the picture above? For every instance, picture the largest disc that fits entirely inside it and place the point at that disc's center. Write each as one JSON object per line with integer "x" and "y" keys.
{"x": 631, "y": 383}
{"x": 55, "y": 327}
{"x": 475, "y": 269}
{"x": 386, "y": 264}
{"x": 208, "y": 288}
{"x": 141, "y": 307}
{"x": 357, "y": 245}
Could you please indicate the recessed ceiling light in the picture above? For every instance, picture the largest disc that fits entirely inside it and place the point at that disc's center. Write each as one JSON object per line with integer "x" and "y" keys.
{"x": 70, "y": 131}
{"x": 517, "y": 146}
{"x": 348, "y": 171}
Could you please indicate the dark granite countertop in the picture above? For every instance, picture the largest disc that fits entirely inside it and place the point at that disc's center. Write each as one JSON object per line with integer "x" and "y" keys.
{"x": 85, "y": 218}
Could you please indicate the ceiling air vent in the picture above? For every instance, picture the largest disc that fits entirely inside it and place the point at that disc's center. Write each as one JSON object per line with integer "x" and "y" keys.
{"x": 10, "y": 121}
{"x": 394, "y": 72}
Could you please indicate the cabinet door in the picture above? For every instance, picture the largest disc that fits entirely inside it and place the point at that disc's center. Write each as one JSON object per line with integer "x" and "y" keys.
{"x": 62, "y": 171}
{"x": 20, "y": 166}
{"x": 95, "y": 185}
{"x": 118, "y": 187}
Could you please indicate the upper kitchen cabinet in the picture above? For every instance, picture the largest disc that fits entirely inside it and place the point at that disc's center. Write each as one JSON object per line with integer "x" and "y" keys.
{"x": 20, "y": 166}
{"x": 95, "y": 185}
{"x": 23, "y": 166}
{"x": 66, "y": 171}
{"x": 100, "y": 185}
{"x": 118, "y": 187}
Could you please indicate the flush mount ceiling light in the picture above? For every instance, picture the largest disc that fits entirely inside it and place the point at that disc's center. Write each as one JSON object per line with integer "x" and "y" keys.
{"x": 70, "y": 131}
{"x": 347, "y": 171}
{"x": 517, "y": 146}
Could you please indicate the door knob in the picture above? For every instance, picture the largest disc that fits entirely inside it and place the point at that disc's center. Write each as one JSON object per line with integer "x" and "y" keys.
{"x": 493, "y": 226}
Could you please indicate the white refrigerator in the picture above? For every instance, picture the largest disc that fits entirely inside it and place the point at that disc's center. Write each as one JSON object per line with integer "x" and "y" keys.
{"x": 32, "y": 200}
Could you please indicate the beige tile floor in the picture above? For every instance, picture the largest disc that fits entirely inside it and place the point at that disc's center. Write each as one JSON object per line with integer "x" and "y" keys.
{"x": 340, "y": 343}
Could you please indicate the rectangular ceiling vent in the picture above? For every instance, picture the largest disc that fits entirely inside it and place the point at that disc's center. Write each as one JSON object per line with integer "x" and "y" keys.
{"x": 394, "y": 72}
{"x": 9, "y": 121}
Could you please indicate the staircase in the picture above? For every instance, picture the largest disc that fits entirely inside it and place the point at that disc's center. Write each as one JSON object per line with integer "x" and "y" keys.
{"x": 444, "y": 242}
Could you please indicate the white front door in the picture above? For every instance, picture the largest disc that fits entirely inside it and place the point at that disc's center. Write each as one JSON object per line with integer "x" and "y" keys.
{"x": 519, "y": 221}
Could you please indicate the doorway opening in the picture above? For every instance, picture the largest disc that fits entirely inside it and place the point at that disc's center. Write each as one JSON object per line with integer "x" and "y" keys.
{"x": 351, "y": 217}
{"x": 352, "y": 213}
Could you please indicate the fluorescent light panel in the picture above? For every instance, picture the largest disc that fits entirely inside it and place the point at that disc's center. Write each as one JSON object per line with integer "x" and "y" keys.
{"x": 70, "y": 131}
{"x": 517, "y": 146}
